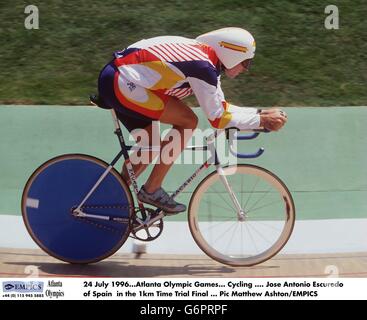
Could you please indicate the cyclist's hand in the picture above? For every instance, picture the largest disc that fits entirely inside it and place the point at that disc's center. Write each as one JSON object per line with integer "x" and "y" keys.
{"x": 273, "y": 119}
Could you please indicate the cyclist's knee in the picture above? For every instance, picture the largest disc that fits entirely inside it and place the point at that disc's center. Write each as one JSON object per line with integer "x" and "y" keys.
{"x": 194, "y": 121}
{"x": 179, "y": 115}
{"x": 190, "y": 122}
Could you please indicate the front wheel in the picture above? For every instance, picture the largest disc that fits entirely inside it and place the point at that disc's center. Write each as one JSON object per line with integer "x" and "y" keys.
{"x": 56, "y": 188}
{"x": 246, "y": 239}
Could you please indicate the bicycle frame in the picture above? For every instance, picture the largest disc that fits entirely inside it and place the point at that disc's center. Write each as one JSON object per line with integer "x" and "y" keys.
{"x": 213, "y": 159}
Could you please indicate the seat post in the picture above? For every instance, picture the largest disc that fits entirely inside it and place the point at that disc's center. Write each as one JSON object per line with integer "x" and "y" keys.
{"x": 115, "y": 119}
{"x": 118, "y": 132}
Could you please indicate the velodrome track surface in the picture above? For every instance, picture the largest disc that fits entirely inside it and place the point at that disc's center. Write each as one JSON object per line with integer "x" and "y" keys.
{"x": 312, "y": 251}
{"x": 21, "y": 263}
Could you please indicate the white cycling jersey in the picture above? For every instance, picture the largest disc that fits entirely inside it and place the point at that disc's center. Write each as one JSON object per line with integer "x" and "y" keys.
{"x": 151, "y": 70}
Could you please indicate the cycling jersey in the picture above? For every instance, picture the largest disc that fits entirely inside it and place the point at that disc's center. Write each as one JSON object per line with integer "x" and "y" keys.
{"x": 150, "y": 71}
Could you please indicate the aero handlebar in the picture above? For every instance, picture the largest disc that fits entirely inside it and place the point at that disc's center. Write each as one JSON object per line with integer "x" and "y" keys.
{"x": 233, "y": 135}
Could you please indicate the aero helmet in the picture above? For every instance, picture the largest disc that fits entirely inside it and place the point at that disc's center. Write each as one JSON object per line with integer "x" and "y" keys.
{"x": 232, "y": 45}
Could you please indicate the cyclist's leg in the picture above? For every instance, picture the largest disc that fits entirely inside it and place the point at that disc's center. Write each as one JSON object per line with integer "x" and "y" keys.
{"x": 134, "y": 122}
{"x": 184, "y": 121}
{"x": 154, "y": 106}
{"x": 141, "y": 159}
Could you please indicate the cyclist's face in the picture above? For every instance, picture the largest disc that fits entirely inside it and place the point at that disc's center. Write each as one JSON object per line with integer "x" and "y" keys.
{"x": 238, "y": 69}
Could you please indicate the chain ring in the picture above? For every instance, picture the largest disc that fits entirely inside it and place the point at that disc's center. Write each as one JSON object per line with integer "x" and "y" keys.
{"x": 146, "y": 234}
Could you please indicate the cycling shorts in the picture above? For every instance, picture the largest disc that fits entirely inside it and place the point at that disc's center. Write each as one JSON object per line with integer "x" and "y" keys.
{"x": 129, "y": 100}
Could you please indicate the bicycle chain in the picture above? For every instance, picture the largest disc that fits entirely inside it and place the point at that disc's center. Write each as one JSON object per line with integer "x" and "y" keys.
{"x": 98, "y": 225}
{"x": 101, "y": 225}
{"x": 105, "y": 207}
{"x": 111, "y": 229}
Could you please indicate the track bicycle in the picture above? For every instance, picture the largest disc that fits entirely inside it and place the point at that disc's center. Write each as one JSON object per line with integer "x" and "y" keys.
{"x": 79, "y": 209}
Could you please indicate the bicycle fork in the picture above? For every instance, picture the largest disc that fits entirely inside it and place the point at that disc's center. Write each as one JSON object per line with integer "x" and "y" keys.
{"x": 241, "y": 215}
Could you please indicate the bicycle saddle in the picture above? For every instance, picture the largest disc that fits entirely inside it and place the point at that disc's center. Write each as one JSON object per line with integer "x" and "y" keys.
{"x": 94, "y": 99}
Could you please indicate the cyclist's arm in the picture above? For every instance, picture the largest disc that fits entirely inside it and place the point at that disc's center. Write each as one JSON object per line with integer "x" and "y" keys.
{"x": 220, "y": 113}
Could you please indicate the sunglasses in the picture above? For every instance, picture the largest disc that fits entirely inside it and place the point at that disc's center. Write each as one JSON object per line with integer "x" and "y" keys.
{"x": 246, "y": 64}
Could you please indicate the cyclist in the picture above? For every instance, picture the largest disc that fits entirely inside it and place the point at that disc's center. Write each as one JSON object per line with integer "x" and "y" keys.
{"x": 148, "y": 80}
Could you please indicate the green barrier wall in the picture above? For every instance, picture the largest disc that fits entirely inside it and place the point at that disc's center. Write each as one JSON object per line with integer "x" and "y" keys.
{"x": 320, "y": 154}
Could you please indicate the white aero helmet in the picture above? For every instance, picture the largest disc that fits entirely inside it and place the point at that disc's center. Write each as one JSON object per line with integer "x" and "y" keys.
{"x": 232, "y": 45}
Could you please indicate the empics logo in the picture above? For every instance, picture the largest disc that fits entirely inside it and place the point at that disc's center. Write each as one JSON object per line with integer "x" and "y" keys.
{"x": 8, "y": 287}
{"x": 23, "y": 286}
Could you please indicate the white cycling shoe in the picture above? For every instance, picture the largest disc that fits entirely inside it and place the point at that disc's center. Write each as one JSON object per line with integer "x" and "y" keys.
{"x": 162, "y": 200}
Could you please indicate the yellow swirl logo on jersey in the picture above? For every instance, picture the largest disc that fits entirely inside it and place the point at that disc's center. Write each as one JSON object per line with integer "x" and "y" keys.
{"x": 168, "y": 78}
